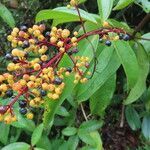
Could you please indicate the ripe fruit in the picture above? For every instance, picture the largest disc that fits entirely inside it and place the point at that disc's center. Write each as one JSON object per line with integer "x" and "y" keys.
{"x": 23, "y": 111}
{"x": 57, "y": 81}
{"x": 8, "y": 56}
{"x": 108, "y": 43}
{"x": 23, "y": 28}
{"x": 126, "y": 37}
{"x": 22, "y": 103}
{"x": 15, "y": 59}
{"x": 43, "y": 93}
{"x": 47, "y": 34}
{"x": 26, "y": 44}
{"x": 9, "y": 93}
{"x": 69, "y": 69}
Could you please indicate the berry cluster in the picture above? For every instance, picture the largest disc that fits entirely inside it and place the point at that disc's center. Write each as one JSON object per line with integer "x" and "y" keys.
{"x": 33, "y": 68}
{"x": 34, "y": 71}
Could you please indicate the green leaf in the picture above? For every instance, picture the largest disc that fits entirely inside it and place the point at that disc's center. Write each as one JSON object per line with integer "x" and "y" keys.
{"x": 102, "y": 97}
{"x": 44, "y": 143}
{"x": 98, "y": 142}
{"x": 86, "y": 138}
{"x": 17, "y": 146}
{"x": 129, "y": 61}
{"x": 133, "y": 118}
{"x": 4, "y": 132}
{"x": 105, "y": 7}
{"x": 62, "y": 111}
{"x": 7, "y": 16}
{"x": 37, "y": 133}
{"x": 82, "y": 1}
{"x": 90, "y": 125}
{"x": 119, "y": 24}
{"x": 69, "y": 131}
{"x": 122, "y": 4}
{"x": 145, "y": 43}
{"x": 140, "y": 86}
{"x": 108, "y": 64}
{"x": 92, "y": 138}
{"x": 73, "y": 142}
{"x": 68, "y": 15}
{"x": 145, "y": 127}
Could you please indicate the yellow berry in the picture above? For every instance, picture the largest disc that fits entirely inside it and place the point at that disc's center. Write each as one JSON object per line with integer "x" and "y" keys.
{"x": 37, "y": 67}
{"x": 65, "y": 33}
{"x": 26, "y": 77}
{"x": 73, "y": 2}
{"x": 45, "y": 86}
{"x": 75, "y": 33}
{"x": 75, "y": 81}
{"x": 1, "y": 117}
{"x": 53, "y": 39}
{"x": 58, "y": 91}
{"x": 30, "y": 116}
{"x": 60, "y": 44}
{"x": 54, "y": 29}
{"x": 105, "y": 24}
{"x": 44, "y": 58}
{"x": 14, "y": 118}
{"x": 68, "y": 6}
{"x": 55, "y": 96}
{"x": 23, "y": 82}
{"x": 62, "y": 49}
{"x": 16, "y": 30}
{"x": 7, "y": 119}
{"x": 9, "y": 37}
{"x": 10, "y": 66}
{"x": 32, "y": 103}
{"x": 30, "y": 84}
{"x": 73, "y": 39}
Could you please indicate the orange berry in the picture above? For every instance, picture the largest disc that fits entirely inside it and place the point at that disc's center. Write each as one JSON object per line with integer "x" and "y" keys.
{"x": 37, "y": 67}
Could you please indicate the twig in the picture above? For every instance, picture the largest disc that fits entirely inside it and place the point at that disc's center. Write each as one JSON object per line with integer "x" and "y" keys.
{"x": 141, "y": 24}
{"x": 83, "y": 112}
{"x": 122, "y": 116}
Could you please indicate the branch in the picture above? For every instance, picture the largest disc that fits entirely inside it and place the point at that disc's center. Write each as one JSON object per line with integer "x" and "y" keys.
{"x": 141, "y": 25}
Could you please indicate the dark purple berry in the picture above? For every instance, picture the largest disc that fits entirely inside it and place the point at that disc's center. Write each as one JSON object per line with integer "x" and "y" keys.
{"x": 57, "y": 81}
{"x": 15, "y": 59}
{"x": 22, "y": 103}
{"x": 43, "y": 93}
{"x": 126, "y": 37}
{"x": 23, "y": 28}
{"x": 47, "y": 34}
{"x": 23, "y": 111}
{"x": 25, "y": 44}
{"x": 8, "y": 56}
{"x": 69, "y": 69}
{"x": 108, "y": 43}
{"x": 9, "y": 93}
